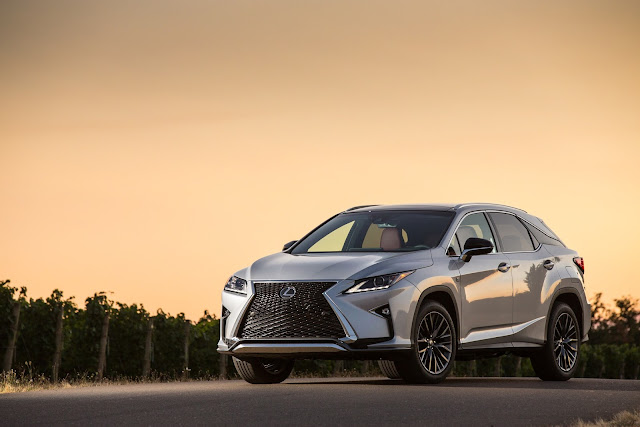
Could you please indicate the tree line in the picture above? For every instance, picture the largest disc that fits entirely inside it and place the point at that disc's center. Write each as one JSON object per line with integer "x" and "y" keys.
{"x": 57, "y": 339}
{"x": 105, "y": 339}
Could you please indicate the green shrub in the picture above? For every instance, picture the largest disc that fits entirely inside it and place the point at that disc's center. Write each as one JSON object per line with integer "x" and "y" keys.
{"x": 127, "y": 335}
{"x": 613, "y": 352}
{"x": 168, "y": 344}
{"x": 204, "y": 360}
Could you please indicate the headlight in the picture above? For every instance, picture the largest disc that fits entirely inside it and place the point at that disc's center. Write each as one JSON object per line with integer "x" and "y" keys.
{"x": 236, "y": 284}
{"x": 377, "y": 283}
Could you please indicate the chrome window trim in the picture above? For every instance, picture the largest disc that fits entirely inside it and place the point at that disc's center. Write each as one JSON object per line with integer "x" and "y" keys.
{"x": 524, "y": 252}
{"x": 449, "y": 246}
{"x": 525, "y": 227}
{"x": 455, "y": 232}
{"x": 487, "y": 211}
{"x": 546, "y": 234}
{"x": 458, "y": 226}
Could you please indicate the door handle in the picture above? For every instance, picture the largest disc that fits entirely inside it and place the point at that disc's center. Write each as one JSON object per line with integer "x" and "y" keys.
{"x": 548, "y": 264}
{"x": 504, "y": 267}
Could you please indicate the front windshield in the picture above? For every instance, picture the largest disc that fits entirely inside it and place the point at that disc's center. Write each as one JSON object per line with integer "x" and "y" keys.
{"x": 378, "y": 231}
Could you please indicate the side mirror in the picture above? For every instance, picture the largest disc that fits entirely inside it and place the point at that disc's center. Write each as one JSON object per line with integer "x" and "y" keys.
{"x": 475, "y": 246}
{"x": 288, "y": 245}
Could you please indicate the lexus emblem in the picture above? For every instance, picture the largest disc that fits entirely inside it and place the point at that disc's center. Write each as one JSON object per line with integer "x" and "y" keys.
{"x": 288, "y": 292}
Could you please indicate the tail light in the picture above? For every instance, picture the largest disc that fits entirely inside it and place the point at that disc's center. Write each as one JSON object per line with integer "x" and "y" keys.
{"x": 579, "y": 261}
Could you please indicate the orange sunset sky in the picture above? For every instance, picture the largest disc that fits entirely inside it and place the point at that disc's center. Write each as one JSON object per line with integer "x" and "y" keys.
{"x": 153, "y": 148}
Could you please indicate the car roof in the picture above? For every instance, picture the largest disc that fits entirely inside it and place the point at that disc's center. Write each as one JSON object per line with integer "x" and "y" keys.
{"x": 431, "y": 207}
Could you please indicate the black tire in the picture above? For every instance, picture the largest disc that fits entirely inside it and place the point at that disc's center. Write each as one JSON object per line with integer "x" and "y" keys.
{"x": 423, "y": 365}
{"x": 388, "y": 369}
{"x": 558, "y": 359}
{"x": 263, "y": 371}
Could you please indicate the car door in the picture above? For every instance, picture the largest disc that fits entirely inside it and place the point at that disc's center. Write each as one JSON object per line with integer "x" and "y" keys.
{"x": 485, "y": 287}
{"x": 532, "y": 271}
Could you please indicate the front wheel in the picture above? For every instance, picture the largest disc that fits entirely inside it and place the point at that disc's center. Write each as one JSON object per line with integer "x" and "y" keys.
{"x": 263, "y": 371}
{"x": 434, "y": 350}
{"x": 558, "y": 359}
{"x": 389, "y": 370}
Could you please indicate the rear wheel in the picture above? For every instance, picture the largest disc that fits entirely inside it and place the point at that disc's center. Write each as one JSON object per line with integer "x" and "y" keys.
{"x": 558, "y": 359}
{"x": 434, "y": 350}
{"x": 263, "y": 371}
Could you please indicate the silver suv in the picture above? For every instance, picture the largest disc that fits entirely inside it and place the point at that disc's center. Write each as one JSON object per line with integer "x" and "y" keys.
{"x": 414, "y": 287}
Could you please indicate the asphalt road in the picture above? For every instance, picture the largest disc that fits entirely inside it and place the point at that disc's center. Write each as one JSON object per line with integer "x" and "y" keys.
{"x": 332, "y": 401}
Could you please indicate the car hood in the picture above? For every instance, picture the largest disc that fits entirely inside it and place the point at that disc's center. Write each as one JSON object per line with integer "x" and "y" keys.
{"x": 336, "y": 266}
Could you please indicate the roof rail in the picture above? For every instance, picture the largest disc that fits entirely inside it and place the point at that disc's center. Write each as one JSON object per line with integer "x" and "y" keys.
{"x": 358, "y": 207}
{"x": 461, "y": 205}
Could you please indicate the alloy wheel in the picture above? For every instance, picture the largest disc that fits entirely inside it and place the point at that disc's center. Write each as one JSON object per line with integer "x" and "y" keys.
{"x": 565, "y": 342}
{"x": 434, "y": 342}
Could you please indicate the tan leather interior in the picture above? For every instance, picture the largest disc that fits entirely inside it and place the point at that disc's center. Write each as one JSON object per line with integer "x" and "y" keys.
{"x": 465, "y": 232}
{"x": 391, "y": 240}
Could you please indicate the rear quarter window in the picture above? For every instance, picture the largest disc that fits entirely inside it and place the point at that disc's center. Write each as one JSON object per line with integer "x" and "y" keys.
{"x": 541, "y": 237}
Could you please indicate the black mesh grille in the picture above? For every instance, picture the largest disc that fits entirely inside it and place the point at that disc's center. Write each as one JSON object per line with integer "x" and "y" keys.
{"x": 306, "y": 315}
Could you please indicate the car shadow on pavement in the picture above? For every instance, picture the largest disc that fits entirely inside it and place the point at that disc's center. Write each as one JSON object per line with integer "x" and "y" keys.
{"x": 504, "y": 383}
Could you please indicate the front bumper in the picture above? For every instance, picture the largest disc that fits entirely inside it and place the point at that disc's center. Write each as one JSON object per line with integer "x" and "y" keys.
{"x": 367, "y": 334}
{"x": 314, "y": 349}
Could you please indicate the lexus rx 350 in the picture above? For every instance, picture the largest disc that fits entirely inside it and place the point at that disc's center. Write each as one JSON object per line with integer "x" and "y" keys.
{"x": 414, "y": 287}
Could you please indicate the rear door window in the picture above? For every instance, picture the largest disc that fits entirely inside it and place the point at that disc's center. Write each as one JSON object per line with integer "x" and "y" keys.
{"x": 513, "y": 235}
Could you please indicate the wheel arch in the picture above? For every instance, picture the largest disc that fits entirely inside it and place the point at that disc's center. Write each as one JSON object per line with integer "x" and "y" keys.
{"x": 571, "y": 297}
{"x": 445, "y": 296}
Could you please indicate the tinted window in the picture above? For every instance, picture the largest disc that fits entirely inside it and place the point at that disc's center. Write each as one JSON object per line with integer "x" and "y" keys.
{"x": 454, "y": 247}
{"x": 475, "y": 225}
{"x": 334, "y": 241}
{"x": 513, "y": 235}
{"x": 533, "y": 238}
{"x": 541, "y": 237}
{"x": 378, "y": 231}
{"x": 374, "y": 236}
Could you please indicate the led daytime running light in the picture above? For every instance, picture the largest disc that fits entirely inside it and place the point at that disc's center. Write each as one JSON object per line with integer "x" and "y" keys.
{"x": 377, "y": 283}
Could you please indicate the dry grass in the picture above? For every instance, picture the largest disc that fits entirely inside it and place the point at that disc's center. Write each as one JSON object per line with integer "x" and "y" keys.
{"x": 12, "y": 382}
{"x": 621, "y": 419}
{"x": 16, "y": 382}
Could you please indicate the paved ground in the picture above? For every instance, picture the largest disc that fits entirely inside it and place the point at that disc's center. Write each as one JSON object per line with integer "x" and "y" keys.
{"x": 333, "y": 401}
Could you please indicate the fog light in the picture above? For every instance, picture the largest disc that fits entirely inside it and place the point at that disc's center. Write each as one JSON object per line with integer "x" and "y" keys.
{"x": 384, "y": 311}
